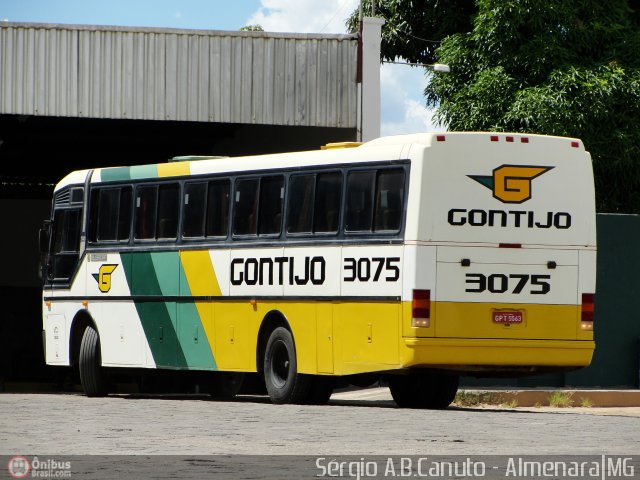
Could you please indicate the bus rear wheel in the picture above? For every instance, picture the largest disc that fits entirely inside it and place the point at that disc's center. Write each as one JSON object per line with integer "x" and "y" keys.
{"x": 423, "y": 389}
{"x": 284, "y": 383}
{"x": 92, "y": 377}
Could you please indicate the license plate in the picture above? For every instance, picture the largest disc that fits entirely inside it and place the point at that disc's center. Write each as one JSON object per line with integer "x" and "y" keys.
{"x": 507, "y": 318}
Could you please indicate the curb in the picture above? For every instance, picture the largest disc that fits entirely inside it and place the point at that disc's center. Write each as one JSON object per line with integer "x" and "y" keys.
{"x": 575, "y": 398}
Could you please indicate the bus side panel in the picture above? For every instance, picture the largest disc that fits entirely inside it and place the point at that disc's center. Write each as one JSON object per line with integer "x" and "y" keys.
{"x": 367, "y": 329}
{"x": 122, "y": 339}
{"x": 58, "y": 318}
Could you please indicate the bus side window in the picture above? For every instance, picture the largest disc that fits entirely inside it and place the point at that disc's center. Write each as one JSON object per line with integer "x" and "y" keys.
{"x": 124, "y": 219}
{"x": 168, "y": 208}
{"x": 359, "y": 206}
{"x": 146, "y": 203}
{"x": 389, "y": 198}
{"x": 300, "y": 207}
{"x": 326, "y": 217}
{"x": 110, "y": 214}
{"x": 271, "y": 201}
{"x": 66, "y": 242}
{"x": 245, "y": 212}
{"x": 218, "y": 197}
{"x": 195, "y": 195}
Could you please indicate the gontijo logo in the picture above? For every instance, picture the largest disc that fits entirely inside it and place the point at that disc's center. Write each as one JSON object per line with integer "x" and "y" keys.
{"x": 103, "y": 277}
{"x": 511, "y": 183}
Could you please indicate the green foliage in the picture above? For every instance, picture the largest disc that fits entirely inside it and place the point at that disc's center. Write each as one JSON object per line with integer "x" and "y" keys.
{"x": 560, "y": 399}
{"x": 413, "y": 29}
{"x": 555, "y": 67}
{"x": 252, "y": 28}
{"x": 586, "y": 402}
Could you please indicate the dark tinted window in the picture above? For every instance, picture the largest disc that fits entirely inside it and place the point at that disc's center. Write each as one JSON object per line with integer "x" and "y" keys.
{"x": 389, "y": 198}
{"x": 271, "y": 200}
{"x": 66, "y": 242}
{"x": 326, "y": 216}
{"x": 146, "y": 202}
{"x": 300, "y": 203}
{"x": 168, "y": 207}
{"x": 218, "y": 208}
{"x": 108, "y": 207}
{"x": 314, "y": 203}
{"x": 245, "y": 213}
{"x": 195, "y": 195}
{"x": 157, "y": 211}
{"x": 359, "y": 207}
{"x": 124, "y": 217}
{"x": 110, "y": 214}
{"x": 66, "y": 231}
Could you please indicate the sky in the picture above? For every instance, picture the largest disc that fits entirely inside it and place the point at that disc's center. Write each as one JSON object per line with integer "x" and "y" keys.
{"x": 402, "y": 100}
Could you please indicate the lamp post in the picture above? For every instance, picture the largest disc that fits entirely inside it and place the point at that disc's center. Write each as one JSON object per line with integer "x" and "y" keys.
{"x": 436, "y": 67}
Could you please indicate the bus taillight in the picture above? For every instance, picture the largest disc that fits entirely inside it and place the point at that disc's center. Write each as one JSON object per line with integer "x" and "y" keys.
{"x": 421, "y": 308}
{"x": 586, "y": 317}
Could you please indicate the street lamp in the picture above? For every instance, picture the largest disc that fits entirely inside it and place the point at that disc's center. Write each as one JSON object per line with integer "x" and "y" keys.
{"x": 436, "y": 67}
{"x": 440, "y": 67}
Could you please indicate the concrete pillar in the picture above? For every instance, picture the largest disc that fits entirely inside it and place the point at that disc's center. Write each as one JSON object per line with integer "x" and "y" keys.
{"x": 369, "y": 98}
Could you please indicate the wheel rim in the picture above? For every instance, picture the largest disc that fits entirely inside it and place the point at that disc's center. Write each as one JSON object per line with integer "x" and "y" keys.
{"x": 280, "y": 364}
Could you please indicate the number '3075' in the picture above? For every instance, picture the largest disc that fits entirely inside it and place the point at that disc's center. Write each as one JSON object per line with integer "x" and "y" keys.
{"x": 514, "y": 283}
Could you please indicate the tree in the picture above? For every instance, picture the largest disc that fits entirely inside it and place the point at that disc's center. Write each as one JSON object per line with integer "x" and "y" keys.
{"x": 413, "y": 29}
{"x": 252, "y": 28}
{"x": 555, "y": 67}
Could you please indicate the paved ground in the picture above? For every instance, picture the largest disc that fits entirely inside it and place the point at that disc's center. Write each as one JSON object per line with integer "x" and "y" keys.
{"x": 354, "y": 423}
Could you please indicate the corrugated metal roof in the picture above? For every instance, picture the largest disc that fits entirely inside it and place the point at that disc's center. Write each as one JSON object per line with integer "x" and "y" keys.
{"x": 170, "y": 74}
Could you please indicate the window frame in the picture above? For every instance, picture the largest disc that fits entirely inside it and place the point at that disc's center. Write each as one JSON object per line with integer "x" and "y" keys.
{"x": 316, "y": 235}
{"x": 267, "y": 240}
{"x": 260, "y": 177}
{"x": 94, "y": 229}
{"x": 155, "y": 239}
{"x": 207, "y": 181}
{"x": 372, "y": 233}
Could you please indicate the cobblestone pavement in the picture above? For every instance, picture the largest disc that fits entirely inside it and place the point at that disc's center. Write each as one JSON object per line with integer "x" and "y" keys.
{"x": 364, "y": 423}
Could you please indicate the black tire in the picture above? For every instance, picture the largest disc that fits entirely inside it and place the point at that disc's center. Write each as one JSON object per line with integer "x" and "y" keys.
{"x": 226, "y": 385}
{"x": 320, "y": 390}
{"x": 423, "y": 389}
{"x": 92, "y": 377}
{"x": 284, "y": 383}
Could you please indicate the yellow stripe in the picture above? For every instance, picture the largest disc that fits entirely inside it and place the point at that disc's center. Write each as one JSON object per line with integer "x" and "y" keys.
{"x": 174, "y": 169}
{"x": 199, "y": 272}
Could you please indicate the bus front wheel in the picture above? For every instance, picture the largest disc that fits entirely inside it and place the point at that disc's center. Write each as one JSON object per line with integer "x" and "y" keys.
{"x": 90, "y": 365}
{"x": 423, "y": 389}
{"x": 284, "y": 383}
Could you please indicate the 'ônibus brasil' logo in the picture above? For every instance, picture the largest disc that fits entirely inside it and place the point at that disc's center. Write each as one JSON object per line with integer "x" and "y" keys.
{"x": 511, "y": 183}
{"x": 103, "y": 277}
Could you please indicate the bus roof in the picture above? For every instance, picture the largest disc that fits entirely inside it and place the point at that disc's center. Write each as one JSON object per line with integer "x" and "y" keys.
{"x": 387, "y": 148}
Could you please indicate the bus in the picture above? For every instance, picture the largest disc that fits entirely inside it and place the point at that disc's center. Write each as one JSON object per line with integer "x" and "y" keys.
{"x": 414, "y": 259}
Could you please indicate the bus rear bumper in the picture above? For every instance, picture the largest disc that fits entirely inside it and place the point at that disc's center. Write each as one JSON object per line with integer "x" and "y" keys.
{"x": 499, "y": 355}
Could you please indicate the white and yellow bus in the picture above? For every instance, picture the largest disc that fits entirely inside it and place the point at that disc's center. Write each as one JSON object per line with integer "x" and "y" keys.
{"x": 417, "y": 257}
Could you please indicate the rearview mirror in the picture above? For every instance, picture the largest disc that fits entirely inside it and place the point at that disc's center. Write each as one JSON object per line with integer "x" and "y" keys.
{"x": 43, "y": 237}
